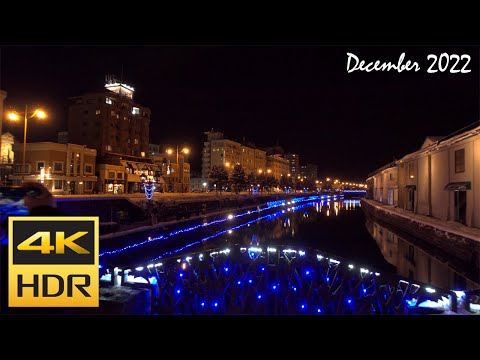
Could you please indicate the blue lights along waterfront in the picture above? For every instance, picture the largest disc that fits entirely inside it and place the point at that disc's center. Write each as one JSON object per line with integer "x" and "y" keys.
{"x": 254, "y": 252}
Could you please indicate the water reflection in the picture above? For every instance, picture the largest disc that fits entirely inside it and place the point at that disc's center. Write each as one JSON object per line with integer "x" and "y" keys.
{"x": 419, "y": 264}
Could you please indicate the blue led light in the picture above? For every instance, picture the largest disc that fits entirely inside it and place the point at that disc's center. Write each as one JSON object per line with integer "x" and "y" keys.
{"x": 202, "y": 304}
{"x": 259, "y": 296}
{"x": 215, "y": 304}
{"x": 178, "y": 291}
{"x": 191, "y": 228}
{"x": 364, "y": 291}
{"x": 250, "y": 281}
{"x": 180, "y": 274}
{"x": 294, "y": 288}
{"x": 303, "y": 306}
{"x": 226, "y": 269}
{"x": 274, "y": 287}
{"x": 349, "y": 300}
{"x": 319, "y": 310}
{"x": 307, "y": 272}
{"x": 239, "y": 282}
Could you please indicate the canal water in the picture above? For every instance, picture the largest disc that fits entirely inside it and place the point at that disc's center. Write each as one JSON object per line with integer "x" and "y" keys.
{"x": 336, "y": 227}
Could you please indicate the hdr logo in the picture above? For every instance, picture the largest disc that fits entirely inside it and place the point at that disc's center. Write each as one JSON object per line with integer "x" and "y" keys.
{"x": 53, "y": 261}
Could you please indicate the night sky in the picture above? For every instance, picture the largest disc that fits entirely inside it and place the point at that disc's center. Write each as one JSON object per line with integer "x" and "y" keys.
{"x": 299, "y": 96}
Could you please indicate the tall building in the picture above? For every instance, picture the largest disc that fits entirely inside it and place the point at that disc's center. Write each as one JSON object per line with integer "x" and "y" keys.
{"x": 309, "y": 171}
{"x": 219, "y": 151}
{"x": 62, "y": 137}
{"x": 277, "y": 166}
{"x": 294, "y": 160}
{"x": 109, "y": 121}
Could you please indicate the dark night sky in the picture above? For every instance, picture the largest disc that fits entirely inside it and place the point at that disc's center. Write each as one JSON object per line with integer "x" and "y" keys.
{"x": 300, "y": 96}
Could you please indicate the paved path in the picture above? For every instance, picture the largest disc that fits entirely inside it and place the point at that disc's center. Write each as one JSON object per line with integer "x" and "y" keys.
{"x": 447, "y": 226}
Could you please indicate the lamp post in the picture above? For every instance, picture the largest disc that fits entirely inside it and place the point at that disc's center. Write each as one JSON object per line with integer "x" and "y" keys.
{"x": 15, "y": 116}
{"x": 186, "y": 151}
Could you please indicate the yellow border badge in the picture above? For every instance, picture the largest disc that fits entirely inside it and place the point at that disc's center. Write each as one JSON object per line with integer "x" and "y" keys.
{"x": 53, "y": 261}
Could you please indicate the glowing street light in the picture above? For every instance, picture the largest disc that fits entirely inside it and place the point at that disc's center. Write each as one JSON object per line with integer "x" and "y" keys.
{"x": 15, "y": 116}
{"x": 186, "y": 151}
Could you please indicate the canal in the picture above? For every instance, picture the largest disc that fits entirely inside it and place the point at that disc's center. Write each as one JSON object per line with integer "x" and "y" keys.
{"x": 336, "y": 226}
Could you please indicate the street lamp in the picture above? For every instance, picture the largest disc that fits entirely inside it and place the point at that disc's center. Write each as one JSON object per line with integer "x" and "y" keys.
{"x": 15, "y": 116}
{"x": 186, "y": 151}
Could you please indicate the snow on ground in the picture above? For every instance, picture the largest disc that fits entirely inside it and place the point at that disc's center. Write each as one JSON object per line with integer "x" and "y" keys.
{"x": 446, "y": 226}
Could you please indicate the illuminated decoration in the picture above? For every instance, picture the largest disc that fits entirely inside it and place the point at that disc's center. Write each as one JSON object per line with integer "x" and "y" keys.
{"x": 149, "y": 188}
{"x": 347, "y": 287}
{"x": 195, "y": 227}
{"x": 118, "y": 87}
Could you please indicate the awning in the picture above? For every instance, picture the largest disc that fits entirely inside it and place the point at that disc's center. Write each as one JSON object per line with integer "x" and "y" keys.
{"x": 458, "y": 186}
{"x": 411, "y": 187}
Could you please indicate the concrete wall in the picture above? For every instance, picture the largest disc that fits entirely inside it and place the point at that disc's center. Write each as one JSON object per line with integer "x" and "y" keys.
{"x": 440, "y": 197}
{"x": 423, "y": 185}
{"x": 476, "y": 183}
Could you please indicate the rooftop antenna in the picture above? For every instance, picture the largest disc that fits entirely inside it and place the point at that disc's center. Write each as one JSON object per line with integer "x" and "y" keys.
{"x": 121, "y": 80}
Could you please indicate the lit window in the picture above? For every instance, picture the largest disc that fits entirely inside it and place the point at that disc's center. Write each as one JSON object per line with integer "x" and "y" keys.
{"x": 88, "y": 169}
{"x": 135, "y": 111}
{"x": 111, "y": 175}
{"x": 109, "y": 101}
{"x": 108, "y": 147}
{"x": 97, "y": 112}
{"x": 135, "y": 141}
{"x": 142, "y": 154}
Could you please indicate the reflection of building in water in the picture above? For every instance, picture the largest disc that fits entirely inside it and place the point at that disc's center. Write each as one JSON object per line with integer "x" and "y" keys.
{"x": 413, "y": 262}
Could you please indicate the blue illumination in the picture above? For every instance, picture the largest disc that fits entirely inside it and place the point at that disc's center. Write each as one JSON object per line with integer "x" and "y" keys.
{"x": 215, "y": 304}
{"x": 152, "y": 280}
{"x": 349, "y": 300}
{"x": 319, "y": 310}
{"x": 180, "y": 274}
{"x": 191, "y": 228}
{"x": 328, "y": 279}
{"x": 226, "y": 269}
{"x": 178, "y": 291}
{"x": 303, "y": 306}
{"x": 274, "y": 287}
{"x": 364, "y": 291}
{"x": 259, "y": 296}
{"x": 239, "y": 282}
{"x": 263, "y": 268}
{"x": 294, "y": 288}
{"x": 411, "y": 302}
{"x": 307, "y": 272}
{"x": 250, "y": 281}
{"x": 202, "y": 304}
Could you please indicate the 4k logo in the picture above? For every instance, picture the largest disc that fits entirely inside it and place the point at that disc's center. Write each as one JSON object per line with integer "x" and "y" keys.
{"x": 53, "y": 261}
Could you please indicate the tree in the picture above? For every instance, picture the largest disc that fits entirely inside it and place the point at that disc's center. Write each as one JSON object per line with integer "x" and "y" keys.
{"x": 286, "y": 182}
{"x": 237, "y": 179}
{"x": 218, "y": 176}
{"x": 251, "y": 181}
